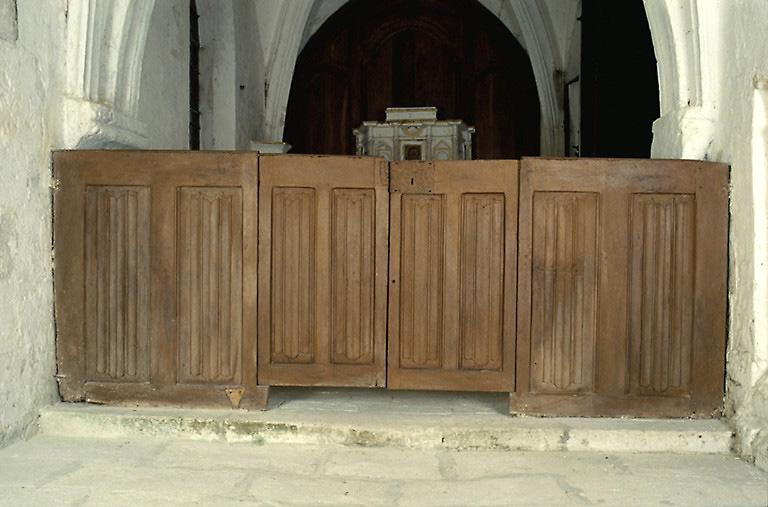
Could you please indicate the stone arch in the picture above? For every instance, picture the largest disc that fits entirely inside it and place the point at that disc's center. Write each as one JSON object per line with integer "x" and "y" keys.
{"x": 537, "y": 37}
{"x": 455, "y": 55}
{"x": 281, "y": 63}
{"x": 105, "y": 49}
{"x": 689, "y": 82}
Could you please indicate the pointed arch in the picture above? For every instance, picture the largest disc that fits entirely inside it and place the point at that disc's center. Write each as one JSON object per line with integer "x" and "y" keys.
{"x": 105, "y": 50}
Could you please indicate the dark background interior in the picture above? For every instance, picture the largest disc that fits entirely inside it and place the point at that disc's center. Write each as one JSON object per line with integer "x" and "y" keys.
{"x": 456, "y": 55}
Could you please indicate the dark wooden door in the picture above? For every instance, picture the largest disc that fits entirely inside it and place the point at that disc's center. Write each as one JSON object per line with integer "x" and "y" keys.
{"x": 154, "y": 302}
{"x": 452, "y": 286}
{"x": 452, "y": 54}
{"x": 621, "y": 287}
{"x": 323, "y": 225}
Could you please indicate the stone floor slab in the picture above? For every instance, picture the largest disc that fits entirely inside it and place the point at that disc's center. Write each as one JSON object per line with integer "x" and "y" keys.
{"x": 48, "y": 470}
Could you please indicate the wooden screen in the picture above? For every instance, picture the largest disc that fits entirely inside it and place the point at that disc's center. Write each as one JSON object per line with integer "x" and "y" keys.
{"x": 452, "y": 275}
{"x": 323, "y": 224}
{"x": 155, "y": 294}
{"x": 622, "y": 287}
{"x": 607, "y": 297}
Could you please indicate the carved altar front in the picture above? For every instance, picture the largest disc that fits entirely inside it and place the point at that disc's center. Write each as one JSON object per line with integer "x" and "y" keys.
{"x": 415, "y": 133}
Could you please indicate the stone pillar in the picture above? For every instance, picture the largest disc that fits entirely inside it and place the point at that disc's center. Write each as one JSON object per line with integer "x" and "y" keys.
{"x": 105, "y": 50}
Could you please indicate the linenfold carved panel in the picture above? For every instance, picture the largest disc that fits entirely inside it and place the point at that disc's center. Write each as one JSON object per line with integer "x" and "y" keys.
{"x": 661, "y": 305}
{"x": 294, "y": 216}
{"x": 422, "y": 266}
{"x": 150, "y": 253}
{"x": 481, "y": 281}
{"x": 117, "y": 282}
{"x": 209, "y": 264}
{"x": 352, "y": 272}
{"x": 564, "y": 291}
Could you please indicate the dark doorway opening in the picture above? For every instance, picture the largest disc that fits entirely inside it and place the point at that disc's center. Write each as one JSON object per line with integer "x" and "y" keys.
{"x": 620, "y": 88}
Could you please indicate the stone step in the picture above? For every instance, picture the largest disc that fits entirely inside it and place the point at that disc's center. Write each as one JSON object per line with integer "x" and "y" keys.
{"x": 376, "y": 418}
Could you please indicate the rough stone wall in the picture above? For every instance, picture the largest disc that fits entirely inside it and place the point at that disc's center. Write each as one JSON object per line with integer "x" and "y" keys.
{"x": 164, "y": 95}
{"x": 741, "y": 138}
{"x": 31, "y": 59}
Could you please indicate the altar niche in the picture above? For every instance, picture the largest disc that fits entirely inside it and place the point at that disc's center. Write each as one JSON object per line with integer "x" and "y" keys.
{"x": 454, "y": 55}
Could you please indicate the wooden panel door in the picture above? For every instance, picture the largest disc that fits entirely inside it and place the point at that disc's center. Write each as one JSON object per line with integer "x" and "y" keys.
{"x": 452, "y": 275}
{"x": 622, "y": 287}
{"x": 153, "y": 253}
{"x": 323, "y": 225}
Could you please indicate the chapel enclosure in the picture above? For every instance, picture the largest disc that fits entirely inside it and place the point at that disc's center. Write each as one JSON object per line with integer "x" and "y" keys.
{"x": 579, "y": 286}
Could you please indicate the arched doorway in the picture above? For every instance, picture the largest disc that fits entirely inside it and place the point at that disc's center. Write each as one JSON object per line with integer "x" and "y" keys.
{"x": 453, "y": 54}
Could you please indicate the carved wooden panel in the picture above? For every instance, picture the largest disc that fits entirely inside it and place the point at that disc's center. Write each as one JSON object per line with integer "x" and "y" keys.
{"x": 294, "y": 218}
{"x": 422, "y": 267}
{"x": 154, "y": 263}
{"x": 621, "y": 288}
{"x": 564, "y": 291}
{"x": 482, "y": 281}
{"x": 322, "y": 270}
{"x": 210, "y": 269}
{"x": 117, "y": 282}
{"x": 662, "y": 292}
{"x": 452, "y": 289}
{"x": 353, "y": 271}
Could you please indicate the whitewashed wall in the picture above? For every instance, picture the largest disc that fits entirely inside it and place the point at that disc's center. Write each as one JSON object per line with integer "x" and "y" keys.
{"x": 741, "y": 139}
{"x": 30, "y": 73}
{"x": 164, "y": 93}
{"x": 713, "y": 73}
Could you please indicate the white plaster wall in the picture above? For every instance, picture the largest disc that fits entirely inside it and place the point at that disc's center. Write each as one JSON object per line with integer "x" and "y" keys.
{"x": 8, "y": 26}
{"x": 741, "y": 139}
{"x": 233, "y": 84}
{"x": 164, "y": 93}
{"x": 713, "y": 74}
{"x": 250, "y": 76}
{"x": 29, "y": 77}
{"x": 218, "y": 75}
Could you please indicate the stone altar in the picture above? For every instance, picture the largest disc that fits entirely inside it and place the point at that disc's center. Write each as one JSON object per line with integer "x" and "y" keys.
{"x": 415, "y": 133}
